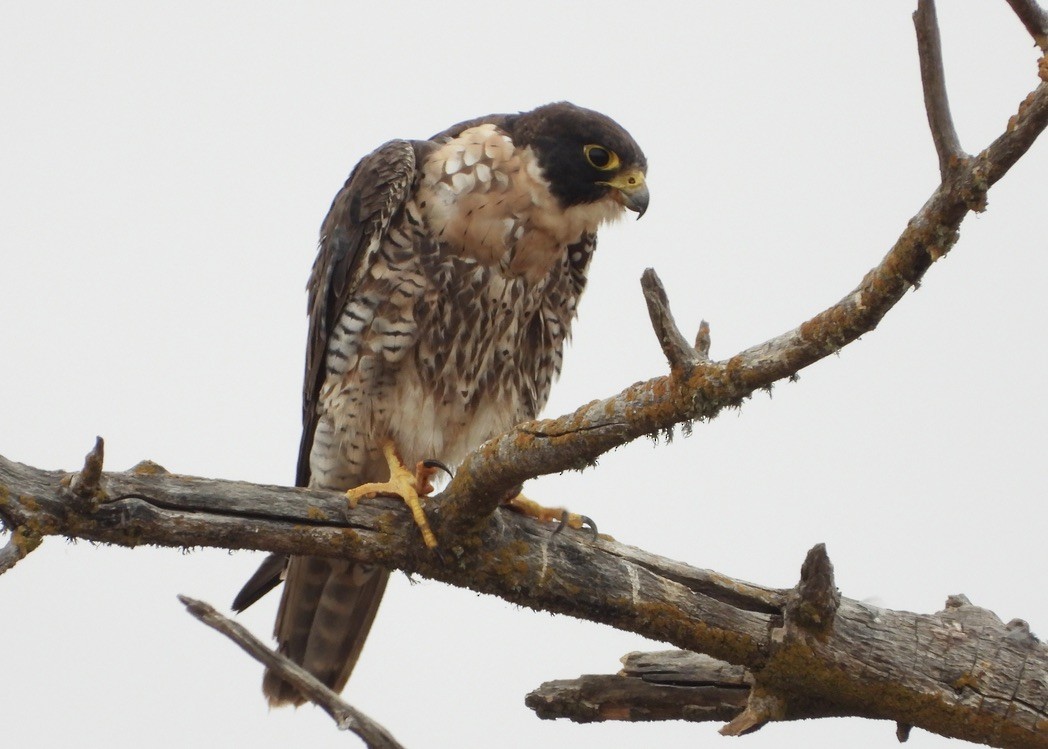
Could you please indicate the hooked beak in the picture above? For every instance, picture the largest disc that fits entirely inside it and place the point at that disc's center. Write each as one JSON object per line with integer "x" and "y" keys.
{"x": 636, "y": 199}
{"x": 632, "y": 190}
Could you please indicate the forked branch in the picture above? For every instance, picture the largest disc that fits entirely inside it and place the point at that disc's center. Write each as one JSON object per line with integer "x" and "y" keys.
{"x": 698, "y": 389}
{"x": 814, "y": 669}
{"x": 806, "y": 651}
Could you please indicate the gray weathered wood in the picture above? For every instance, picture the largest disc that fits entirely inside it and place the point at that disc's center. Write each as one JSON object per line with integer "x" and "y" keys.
{"x": 964, "y": 654}
{"x": 808, "y": 652}
{"x": 960, "y": 672}
{"x": 668, "y": 685}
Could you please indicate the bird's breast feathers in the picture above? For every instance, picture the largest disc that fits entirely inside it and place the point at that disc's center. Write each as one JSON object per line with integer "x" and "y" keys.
{"x": 489, "y": 200}
{"x": 463, "y": 298}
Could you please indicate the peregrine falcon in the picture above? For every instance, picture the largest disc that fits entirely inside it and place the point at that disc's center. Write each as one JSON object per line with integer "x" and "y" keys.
{"x": 445, "y": 286}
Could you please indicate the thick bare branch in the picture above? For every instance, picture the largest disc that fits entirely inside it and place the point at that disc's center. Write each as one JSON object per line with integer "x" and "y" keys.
{"x": 1034, "y": 18}
{"x": 676, "y": 685}
{"x": 346, "y": 717}
{"x": 936, "y": 101}
{"x": 808, "y": 651}
{"x": 762, "y": 707}
{"x": 514, "y": 557}
{"x": 874, "y": 663}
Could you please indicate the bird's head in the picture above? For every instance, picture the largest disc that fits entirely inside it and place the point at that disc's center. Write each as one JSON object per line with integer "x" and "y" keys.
{"x": 584, "y": 155}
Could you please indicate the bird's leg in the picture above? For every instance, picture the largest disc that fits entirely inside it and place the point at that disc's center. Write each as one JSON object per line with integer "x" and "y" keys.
{"x": 531, "y": 508}
{"x": 402, "y": 483}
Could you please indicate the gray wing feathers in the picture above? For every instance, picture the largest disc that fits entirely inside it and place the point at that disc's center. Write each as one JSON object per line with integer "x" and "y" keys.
{"x": 376, "y": 189}
{"x": 328, "y": 605}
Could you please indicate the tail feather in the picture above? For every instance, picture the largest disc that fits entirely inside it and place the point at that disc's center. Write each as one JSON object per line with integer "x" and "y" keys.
{"x": 268, "y": 576}
{"x": 325, "y": 614}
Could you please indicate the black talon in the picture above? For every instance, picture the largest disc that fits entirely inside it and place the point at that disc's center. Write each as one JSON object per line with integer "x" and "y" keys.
{"x": 437, "y": 464}
{"x": 586, "y": 522}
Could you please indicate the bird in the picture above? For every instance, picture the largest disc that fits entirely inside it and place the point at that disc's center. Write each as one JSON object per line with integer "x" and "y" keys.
{"x": 446, "y": 281}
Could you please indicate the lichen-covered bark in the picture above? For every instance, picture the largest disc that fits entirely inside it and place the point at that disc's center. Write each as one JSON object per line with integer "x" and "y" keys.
{"x": 807, "y": 652}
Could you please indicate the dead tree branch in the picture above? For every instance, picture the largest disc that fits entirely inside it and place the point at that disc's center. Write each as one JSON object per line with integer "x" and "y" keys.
{"x": 936, "y": 101}
{"x": 346, "y": 717}
{"x": 1034, "y": 18}
{"x": 21, "y": 542}
{"x": 512, "y": 557}
{"x": 669, "y": 685}
{"x": 922, "y": 670}
{"x": 808, "y": 652}
{"x": 699, "y": 389}
{"x": 679, "y": 354}
{"x": 677, "y": 685}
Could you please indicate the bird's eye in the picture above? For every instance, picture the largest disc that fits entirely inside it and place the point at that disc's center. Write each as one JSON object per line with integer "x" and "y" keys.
{"x": 601, "y": 158}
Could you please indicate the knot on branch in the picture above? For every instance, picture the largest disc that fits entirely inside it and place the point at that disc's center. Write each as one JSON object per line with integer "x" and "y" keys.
{"x": 147, "y": 468}
{"x": 810, "y": 609}
{"x": 702, "y": 341}
{"x": 902, "y": 732}
{"x": 1019, "y": 631}
{"x": 813, "y": 604}
{"x": 964, "y": 614}
{"x": 762, "y": 707}
{"x": 87, "y": 484}
{"x": 956, "y": 601}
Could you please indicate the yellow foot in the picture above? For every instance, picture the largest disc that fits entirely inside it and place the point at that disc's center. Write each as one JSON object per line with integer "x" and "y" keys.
{"x": 404, "y": 484}
{"x": 530, "y": 507}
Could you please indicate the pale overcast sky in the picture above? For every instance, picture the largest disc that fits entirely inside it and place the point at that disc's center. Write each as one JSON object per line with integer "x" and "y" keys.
{"x": 165, "y": 168}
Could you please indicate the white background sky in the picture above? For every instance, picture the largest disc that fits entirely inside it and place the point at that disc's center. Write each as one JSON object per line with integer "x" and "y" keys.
{"x": 165, "y": 168}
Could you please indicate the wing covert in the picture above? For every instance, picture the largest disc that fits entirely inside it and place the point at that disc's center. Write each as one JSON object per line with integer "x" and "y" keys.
{"x": 356, "y": 222}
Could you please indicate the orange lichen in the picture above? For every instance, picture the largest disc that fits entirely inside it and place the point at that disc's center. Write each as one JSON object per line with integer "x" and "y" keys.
{"x": 25, "y": 539}
{"x": 148, "y": 468}
{"x": 968, "y": 680}
{"x": 670, "y": 624}
{"x": 29, "y": 502}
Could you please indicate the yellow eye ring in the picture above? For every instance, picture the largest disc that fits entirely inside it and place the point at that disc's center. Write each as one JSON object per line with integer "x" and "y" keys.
{"x": 601, "y": 158}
